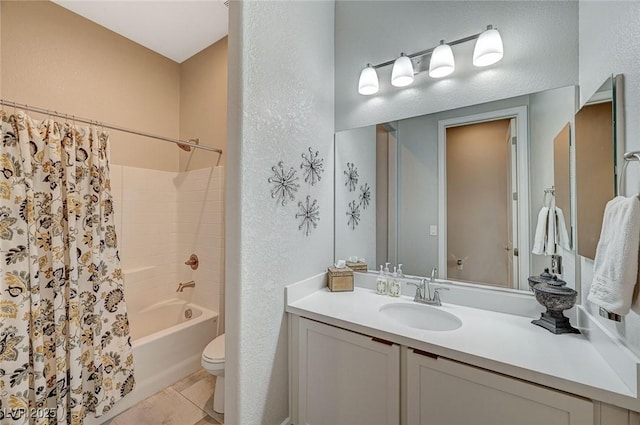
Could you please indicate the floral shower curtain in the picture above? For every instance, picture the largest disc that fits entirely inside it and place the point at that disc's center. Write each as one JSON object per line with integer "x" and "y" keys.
{"x": 64, "y": 334}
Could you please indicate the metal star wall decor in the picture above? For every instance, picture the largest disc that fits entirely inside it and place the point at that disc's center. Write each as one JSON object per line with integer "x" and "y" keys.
{"x": 309, "y": 215}
{"x": 365, "y": 196}
{"x": 352, "y": 176}
{"x": 284, "y": 183}
{"x": 312, "y": 167}
{"x": 353, "y": 215}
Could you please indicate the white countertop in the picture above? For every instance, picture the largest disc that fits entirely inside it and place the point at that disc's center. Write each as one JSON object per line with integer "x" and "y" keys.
{"x": 498, "y": 342}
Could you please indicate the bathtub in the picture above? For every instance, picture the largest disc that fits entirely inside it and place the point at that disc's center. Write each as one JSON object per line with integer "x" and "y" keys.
{"x": 167, "y": 346}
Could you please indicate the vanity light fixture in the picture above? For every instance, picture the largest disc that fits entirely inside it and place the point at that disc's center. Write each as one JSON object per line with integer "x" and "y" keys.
{"x": 368, "y": 83}
{"x": 402, "y": 72}
{"x": 488, "y": 50}
{"x": 442, "y": 62}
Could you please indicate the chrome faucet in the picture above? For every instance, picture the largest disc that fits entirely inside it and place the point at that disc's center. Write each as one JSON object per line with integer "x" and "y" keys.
{"x": 423, "y": 291}
{"x": 181, "y": 285}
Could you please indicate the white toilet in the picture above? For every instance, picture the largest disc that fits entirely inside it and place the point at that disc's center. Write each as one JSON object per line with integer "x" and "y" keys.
{"x": 213, "y": 362}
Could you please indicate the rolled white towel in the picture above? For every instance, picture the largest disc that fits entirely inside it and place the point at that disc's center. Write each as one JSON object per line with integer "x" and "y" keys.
{"x": 541, "y": 231}
{"x": 615, "y": 268}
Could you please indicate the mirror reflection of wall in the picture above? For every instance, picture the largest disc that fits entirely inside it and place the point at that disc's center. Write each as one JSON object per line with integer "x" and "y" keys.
{"x": 417, "y": 221}
{"x": 595, "y": 166}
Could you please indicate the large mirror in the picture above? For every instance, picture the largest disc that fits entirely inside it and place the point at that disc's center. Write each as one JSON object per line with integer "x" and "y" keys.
{"x": 595, "y": 164}
{"x": 462, "y": 191}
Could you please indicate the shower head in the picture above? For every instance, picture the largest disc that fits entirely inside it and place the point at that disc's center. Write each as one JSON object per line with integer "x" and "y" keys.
{"x": 186, "y": 147}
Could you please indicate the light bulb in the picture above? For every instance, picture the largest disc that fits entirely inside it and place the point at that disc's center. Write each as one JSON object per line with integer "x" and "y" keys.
{"x": 368, "y": 83}
{"x": 402, "y": 73}
{"x": 488, "y": 48}
{"x": 442, "y": 62}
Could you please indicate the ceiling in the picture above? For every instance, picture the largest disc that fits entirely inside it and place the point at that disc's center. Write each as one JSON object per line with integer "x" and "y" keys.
{"x": 177, "y": 29}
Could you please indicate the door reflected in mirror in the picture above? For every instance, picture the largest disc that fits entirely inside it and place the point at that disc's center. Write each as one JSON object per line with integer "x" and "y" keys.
{"x": 455, "y": 206}
{"x": 479, "y": 175}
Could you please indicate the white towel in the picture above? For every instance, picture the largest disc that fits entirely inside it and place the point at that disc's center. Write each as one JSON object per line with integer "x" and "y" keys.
{"x": 562, "y": 235}
{"x": 615, "y": 269}
{"x": 541, "y": 232}
{"x": 550, "y": 240}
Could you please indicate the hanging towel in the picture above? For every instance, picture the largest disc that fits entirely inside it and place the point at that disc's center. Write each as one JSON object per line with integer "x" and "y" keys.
{"x": 541, "y": 231}
{"x": 562, "y": 235}
{"x": 550, "y": 240}
{"x": 615, "y": 269}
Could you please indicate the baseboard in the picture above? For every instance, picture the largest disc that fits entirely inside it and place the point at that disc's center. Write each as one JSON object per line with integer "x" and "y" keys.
{"x": 286, "y": 422}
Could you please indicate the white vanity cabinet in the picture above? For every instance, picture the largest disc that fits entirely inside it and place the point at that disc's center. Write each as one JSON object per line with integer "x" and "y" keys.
{"x": 343, "y": 377}
{"x": 445, "y": 392}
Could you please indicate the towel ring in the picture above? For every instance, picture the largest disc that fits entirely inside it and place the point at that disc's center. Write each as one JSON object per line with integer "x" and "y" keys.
{"x": 628, "y": 157}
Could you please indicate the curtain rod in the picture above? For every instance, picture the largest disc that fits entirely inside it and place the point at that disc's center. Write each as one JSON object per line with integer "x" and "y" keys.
{"x": 178, "y": 142}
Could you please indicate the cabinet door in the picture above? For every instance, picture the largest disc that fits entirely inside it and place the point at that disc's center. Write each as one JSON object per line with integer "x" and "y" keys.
{"x": 444, "y": 392}
{"x": 346, "y": 378}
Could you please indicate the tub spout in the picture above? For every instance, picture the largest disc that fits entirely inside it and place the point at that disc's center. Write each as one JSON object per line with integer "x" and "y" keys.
{"x": 181, "y": 285}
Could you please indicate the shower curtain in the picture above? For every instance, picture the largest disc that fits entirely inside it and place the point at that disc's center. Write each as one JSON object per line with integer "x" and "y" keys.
{"x": 64, "y": 334}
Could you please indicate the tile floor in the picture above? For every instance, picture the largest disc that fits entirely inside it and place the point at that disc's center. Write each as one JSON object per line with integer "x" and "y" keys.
{"x": 187, "y": 402}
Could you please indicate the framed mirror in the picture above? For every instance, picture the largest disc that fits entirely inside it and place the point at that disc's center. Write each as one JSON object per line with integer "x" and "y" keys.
{"x": 596, "y": 150}
{"x": 458, "y": 190}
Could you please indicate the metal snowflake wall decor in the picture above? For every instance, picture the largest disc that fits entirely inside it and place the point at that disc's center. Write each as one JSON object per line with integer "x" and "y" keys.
{"x": 365, "y": 196}
{"x": 352, "y": 176}
{"x": 312, "y": 167}
{"x": 284, "y": 183}
{"x": 309, "y": 215}
{"x": 353, "y": 215}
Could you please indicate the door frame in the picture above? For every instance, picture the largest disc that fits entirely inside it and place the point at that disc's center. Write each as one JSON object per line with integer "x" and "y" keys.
{"x": 520, "y": 113}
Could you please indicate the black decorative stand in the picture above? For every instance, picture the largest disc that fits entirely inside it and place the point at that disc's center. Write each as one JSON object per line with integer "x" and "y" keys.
{"x": 555, "y": 322}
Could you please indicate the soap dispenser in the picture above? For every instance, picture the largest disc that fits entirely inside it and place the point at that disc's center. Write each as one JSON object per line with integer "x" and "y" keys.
{"x": 381, "y": 283}
{"x": 394, "y": 285}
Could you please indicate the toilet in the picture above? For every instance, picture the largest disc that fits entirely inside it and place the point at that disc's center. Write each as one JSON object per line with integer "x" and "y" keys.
{"x": 213, "y": 362}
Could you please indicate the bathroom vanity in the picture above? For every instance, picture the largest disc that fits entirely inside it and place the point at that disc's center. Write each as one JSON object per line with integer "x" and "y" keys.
{"x": 351, "y": 362}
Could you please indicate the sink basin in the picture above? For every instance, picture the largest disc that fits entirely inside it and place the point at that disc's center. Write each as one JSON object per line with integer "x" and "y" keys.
{"x": 421, "y": 317}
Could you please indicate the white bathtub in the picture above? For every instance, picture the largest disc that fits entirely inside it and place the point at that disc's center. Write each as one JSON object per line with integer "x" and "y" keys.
{"x": 167, "y": 347}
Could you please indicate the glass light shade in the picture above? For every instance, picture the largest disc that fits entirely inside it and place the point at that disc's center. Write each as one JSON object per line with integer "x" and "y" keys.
{"x": 368, "y": 83}
{"x": 442, "y": 62}
{"x": 402, "y": 73}
{"x": 488, "y": 48}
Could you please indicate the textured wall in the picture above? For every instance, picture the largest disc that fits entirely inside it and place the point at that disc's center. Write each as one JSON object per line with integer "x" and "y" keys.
{"x": 280, "y": 103}
{"x": 540, "y": 44}
{"x": 610, "y": 44}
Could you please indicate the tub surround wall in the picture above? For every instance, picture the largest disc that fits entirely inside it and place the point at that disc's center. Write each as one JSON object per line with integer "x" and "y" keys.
{"x": 280, "y": 104}
{"x": 161, "y": 218}
{"x": 201, "y": 231}
{"x": 529, "y": 65}
{"x": 609, "y": 45}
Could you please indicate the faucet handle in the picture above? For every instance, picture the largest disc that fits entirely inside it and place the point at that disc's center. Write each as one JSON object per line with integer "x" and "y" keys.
{"x": 436, "y": 294}
{"x": 418, "y": 286}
